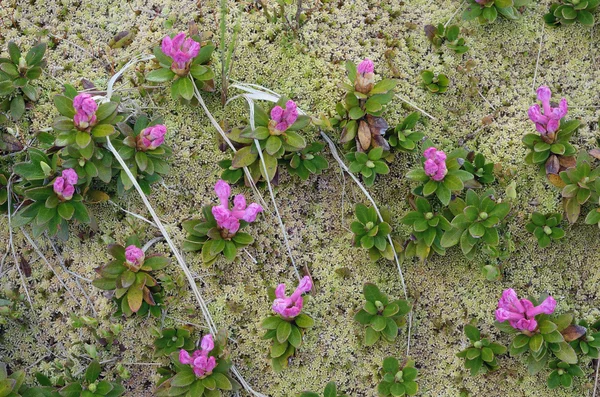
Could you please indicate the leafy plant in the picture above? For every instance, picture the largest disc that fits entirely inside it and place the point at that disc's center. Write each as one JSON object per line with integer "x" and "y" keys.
{"x": 330, "y": 391}
{"x": 104, "y": 336}
{"x": 368, "y": 164}
{"x": 11, "y": 385}
{"x": 398, "y": 381}
{"x": 170, "y": 340}
{"x": 403, "y": 137}
{"x": 439, "y": 35}
{"x": 562, "y": 374}
{"x": 427, "y": 230}
{"x": 452, "y": 181}
{"x": 197, "y": 68}
{"x": 487, "y": 11}
{"x": 483, "y": 173}
{"x": 371, "y": 233}
{"x": 273, "y": 143}
{"x": 588, "y": 342}
{"x": 475, "y": 222}
{"x": 204, "y": 234}
{"x": 180, "y": 379}
{"x": 360, "y": 114}
{"x": 567, "y": 12}
{"x": 580, "y": 184}
{"x": 230, "y": 174}
{"x": 381, "y": 317}
{"x": 17, "y": 73}
{"x": 130, "y": 276}
{"x": 438, "y": 84}
{"x": 147, "y": 165}
{"x": 480, "y": 357}
{"x": 90, "y": 385}
{"x": 306, "y": 161}
{"x": 286, "y": 336}
{"x": 545, "y": 228}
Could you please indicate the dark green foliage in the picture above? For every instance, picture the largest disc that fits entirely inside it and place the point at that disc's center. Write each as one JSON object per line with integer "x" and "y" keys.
{"x": 562, "y": 374}
{"x": 480, "y": 357}
{"x": 581, "y": 184}
{"x": 371, "y": 233}
{"x": 91, "y": 385}
{"x": 439, "y": 35}
{"x": 567, "y": 12}
{"x": 427, "y": 230}
{"x": 286, "y": 336}
{"x": 330, "y": 391}
{"x": 381, "y": 317}
{"x": 307, "y": 161}
{"x": 205, "y": 235}
{"x": 403, "y": 137}
{"x": 435, "y": 84}
{"x": 546, "y": 150}
{"x": 368, "y": 165}
{"x": 483, "y": 173}
{"x": 171, "y": 340}
{"x": 489, "y": 12}
{"x": 17, "y": 73}
{"x": 397, "y": 380}
{"x": 588, "y": 343}
{"x": 545, "y": 228}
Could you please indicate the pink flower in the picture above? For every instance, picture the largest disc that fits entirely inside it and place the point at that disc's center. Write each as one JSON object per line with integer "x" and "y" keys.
{"x": 521, "y": 313}
{"x": 290, "y": 307}
{"x": 85, "y": 111}
{"x": 284, "y": 118}
{"x": 152, "y": 137}
{"x": 181, "y": 50}
{"x": 134, "y": 256}
{"x": 64, "y": 186}
{"x": 201, "y": 362}
{"x": 366, "y": 66}
{"x": 547, "y": 122}
{"x": 229, "y": 219}
{"x": 435, "y": 163}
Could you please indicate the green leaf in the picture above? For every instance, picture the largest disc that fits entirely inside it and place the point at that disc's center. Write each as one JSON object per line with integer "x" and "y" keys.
{"x": 66, "y": 210}
{"x": 244, "y": 157}
{"x": 330, "y": 390}
{"x": 222, "y": 381}
{"x": 391, "y": 365}
{"x": 184, "y": 378}
{"x": 383, "y": 86}
{"x": 284, "y": 330}
{"x": 304, "y": 321}
{"x": 17, "y": 107}
{"x": 566, "y": 353}
{"x": 35, "y": 54}
{"x": 185, "y": 88}
{"x": 585, "y": 17}
{"x": 93, "y": 371}
{"x": 102, "y": 130}
{"x": 371, "y": 336}
{"x": 271, "y": 322}
{"x": 64, "y": 106}
{"x": 472, "y": 333}
{"x": 160, "y": 75}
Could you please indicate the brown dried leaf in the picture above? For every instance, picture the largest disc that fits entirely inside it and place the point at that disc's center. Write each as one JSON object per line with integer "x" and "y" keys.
{"x": 487, "y": 120}
{"x": 573, "y": 332}
{"x": 567, "y": 161}
{"x": 430, "y": 31}
{"x": 25, "y": 266}
{"x": 96, "y": 196}
{"x": 556, "y": 181}
{"x": 379, "y": 141}
{"x": 552, "y": 165}
{"x": 9, "y": 144}
{"x": 595, "y": 153}
{"x": 364, "y": 135}
{"x": 148, "y": 297}
{"x": 378, "y": 125}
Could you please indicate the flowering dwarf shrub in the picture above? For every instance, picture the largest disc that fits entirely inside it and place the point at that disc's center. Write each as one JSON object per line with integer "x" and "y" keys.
{"x": 381, "y": 317}
{"x": 180, "y": 57}
{"x": 398, "y": 380}
{"x": 441, "y": 175}
{"x": 129, "y": 275}
{"x": 487, "y": 11}
{"x": 547, "y": 338}
{"x": 550, "y": 149}
{"x": 287, "y": 326}
{"x": 371, "y": 233}
{"x": 275, "y": 133}
{"x": 219, "y": 232}
{"x": 204, "y": 372}
{"x": 142, "y": 147}
{"x": 567, "y": 12}
{"x": 480, "y": 357}
{"x": 17, "y": 73}
{"x": 428, "y": 227}
{"x": 475, "y": 223}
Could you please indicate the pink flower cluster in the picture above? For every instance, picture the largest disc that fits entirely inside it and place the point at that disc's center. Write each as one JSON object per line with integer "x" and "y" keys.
{"x": 435, "y": 164}
{"x": 549, "y": 121}
{"x": 366, "y": 66}
{"x": 134, "y": 256}
{"x": 290, "y": 307}
{"x": 181, "y": 50}
{"x": 284, "y": 118}
{"x": 201, "y": 363}
{"x": 152, "y": 137}
{"x": 227, "y": 218}
{"x": 521, "y": 313}
{"x": 64, "y": 186}
{"x": 85, "y": 111}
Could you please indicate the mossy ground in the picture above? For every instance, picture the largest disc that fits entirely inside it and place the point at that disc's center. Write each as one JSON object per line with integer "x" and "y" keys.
{"x": 447, "y": 291}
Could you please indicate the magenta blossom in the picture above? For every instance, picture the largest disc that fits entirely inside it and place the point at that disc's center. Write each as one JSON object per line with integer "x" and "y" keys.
{"x": 435, "y": 164}
{"x": 548, "y": 122}
{"x": 64, "y": 186}
{"x": 521, "y": 313}
{"x": 229, "y": 219}
{"x": 152, "y": 137}
{"x": 366, "y": 66}
{"x": 281, "y": 118}
{"x": 181, "y": 50}
{"x": 200, "y": 361}
{"x": 289, "y": 308}
{"x": 134, "y": 256}
{"x": 85, "y": 111}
